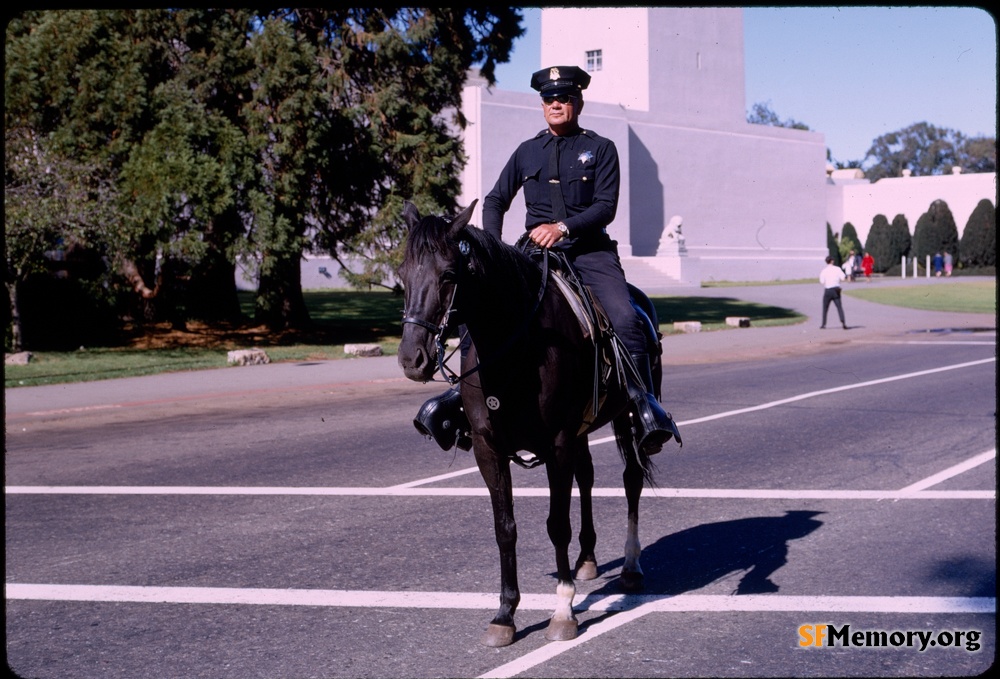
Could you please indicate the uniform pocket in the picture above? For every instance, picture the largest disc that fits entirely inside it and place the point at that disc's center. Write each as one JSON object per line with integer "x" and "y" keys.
{"x": 581, "y": 186}
{"x": 533, "y": 190}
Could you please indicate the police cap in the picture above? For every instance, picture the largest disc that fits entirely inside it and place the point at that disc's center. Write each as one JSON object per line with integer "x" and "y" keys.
{"x": 551, "y": 82}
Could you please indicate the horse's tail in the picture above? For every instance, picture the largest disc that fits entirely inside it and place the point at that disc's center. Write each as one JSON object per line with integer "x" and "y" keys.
{"x": 629, "y": 450}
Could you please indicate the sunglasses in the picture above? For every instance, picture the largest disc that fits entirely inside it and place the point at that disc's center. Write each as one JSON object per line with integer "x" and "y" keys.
{"x": 562, "y": 99}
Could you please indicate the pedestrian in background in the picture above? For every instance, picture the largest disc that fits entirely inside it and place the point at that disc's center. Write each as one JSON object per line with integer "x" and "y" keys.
{"x": 937, "y": 263}
{"x": 948, "y": 263}
{"x": 830, "y": 278}
{"x": 868, "y": 265}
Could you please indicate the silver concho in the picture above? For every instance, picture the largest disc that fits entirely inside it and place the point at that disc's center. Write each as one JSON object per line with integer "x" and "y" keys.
{"x": 493, "y": 403}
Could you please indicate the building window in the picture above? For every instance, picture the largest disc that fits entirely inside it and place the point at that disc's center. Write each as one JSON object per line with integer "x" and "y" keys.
{"x": 595, "y": 60}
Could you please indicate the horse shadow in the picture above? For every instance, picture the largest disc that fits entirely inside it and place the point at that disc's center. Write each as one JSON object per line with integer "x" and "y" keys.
{"x": 698, "y": 556}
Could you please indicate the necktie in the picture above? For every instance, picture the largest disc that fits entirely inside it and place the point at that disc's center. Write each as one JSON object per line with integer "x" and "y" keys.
{"x": 558, "y": 205}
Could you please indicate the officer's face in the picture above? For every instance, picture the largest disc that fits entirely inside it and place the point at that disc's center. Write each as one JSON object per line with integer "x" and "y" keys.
{"x": 561, "y": 112}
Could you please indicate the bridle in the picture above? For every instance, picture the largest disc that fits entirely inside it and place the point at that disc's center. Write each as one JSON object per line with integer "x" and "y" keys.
{"x": 440, "y": 330}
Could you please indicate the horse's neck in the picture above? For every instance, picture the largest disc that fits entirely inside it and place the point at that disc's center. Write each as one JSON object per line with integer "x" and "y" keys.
{"x": 496, "y": 308}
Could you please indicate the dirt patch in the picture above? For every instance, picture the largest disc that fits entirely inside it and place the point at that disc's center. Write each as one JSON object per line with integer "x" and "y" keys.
{"x": 217, "y": 336}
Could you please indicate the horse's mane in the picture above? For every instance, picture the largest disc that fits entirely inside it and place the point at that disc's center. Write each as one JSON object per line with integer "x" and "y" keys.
{"x": 495, "y": 263}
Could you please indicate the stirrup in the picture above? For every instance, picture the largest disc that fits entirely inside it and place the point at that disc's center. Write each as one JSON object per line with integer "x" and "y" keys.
{"x": 443, "y": 419}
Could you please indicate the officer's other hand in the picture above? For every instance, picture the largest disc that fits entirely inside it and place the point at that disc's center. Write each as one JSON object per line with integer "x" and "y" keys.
{"x": 545, "y": 235}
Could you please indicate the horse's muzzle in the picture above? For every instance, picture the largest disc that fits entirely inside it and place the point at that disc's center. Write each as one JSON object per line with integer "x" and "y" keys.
{"x": 417, "y": 360}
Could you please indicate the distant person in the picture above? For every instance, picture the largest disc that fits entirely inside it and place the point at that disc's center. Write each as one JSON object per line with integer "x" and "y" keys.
{"x": 948, "y": 263}
{"x": 830, "y": 278}
{"x": 868, "y": 265}
{"x": 848, "y": 266}
{"x": 937, "y": 263}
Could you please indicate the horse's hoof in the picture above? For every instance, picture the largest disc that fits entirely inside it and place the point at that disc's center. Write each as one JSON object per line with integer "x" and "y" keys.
{"x": 632, "y": 582}
{"x": 498, "y": 635}
{"x": 586, "y": 570}
{"x": 561, "y": 630}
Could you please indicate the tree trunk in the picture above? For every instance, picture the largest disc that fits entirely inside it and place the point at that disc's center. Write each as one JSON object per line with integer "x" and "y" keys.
{"x": 280, "y": 304}
{"x": 15, "y": 317}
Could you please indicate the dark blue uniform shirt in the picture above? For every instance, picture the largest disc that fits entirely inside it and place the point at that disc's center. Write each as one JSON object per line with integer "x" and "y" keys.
{"x": 589, "y": 178}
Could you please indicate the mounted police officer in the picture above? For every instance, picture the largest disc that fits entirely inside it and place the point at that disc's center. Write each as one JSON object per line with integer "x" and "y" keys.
{"x": 571, "y": 179}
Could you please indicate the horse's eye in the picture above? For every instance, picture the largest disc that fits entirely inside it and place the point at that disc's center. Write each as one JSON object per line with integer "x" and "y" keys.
{"x": 448, "y": 276}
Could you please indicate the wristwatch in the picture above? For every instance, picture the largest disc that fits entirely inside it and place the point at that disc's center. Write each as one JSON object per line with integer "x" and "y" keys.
{"x": 563, "y": 229}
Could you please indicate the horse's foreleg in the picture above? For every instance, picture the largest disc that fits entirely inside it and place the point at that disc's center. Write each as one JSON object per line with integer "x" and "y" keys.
{"x": 563, "y": 624}
{"x": 586, "y": 564}
{"x": 496, "y": 474}
{"x": 631, "y": 578}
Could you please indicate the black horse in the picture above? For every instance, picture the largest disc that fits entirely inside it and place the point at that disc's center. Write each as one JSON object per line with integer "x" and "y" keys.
{"x": 527, "y": 384}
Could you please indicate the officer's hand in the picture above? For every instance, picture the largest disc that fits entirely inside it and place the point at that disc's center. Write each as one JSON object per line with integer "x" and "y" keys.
{"x": 545, "y": 235}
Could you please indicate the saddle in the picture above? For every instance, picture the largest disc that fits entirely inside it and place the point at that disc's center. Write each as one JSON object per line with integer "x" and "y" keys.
{"x": 612, "y": 363}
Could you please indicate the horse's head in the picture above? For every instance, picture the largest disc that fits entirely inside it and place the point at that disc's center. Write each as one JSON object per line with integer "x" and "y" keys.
{"x": 429, "y": 274}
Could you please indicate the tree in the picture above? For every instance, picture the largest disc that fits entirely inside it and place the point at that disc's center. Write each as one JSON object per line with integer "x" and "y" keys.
{"x": 832, "y": 247}
{"x": 979, "y": 239}
{"x": 849, "y": 239}
{"x": 924, "y": 150}
{"x": 935, "y": 232}
{"x": 761, "y": 114}
{"x": 878, "y": 244}
{"x": 253, "y": 133}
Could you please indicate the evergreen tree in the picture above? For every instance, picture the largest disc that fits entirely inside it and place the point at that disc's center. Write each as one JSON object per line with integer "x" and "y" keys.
{"x": 879, "y": 245}
{"x": 849, "y": 239}
{"x": 900, "y": 240}
{"x": 979, "y": 239}
{"x": 935, "y": 232}
{"x": 832, "y": 248}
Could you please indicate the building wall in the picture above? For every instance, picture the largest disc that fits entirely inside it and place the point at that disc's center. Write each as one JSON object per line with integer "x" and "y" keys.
{"x": 859, "y": 201}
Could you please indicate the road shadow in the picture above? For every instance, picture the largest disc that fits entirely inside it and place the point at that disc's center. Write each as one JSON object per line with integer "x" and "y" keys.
{"x": 698, "y": 556}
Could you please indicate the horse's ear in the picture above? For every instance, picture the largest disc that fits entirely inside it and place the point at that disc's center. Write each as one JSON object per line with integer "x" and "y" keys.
{"x": 462, "y": 219}
{"x": 410, "y": 214}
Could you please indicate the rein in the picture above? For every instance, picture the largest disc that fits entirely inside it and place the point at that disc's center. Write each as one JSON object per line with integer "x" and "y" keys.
{"x": 447, "y": 373}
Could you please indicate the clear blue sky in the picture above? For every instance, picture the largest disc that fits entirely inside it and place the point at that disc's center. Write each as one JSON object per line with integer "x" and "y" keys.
{"x": 852, "y": 73}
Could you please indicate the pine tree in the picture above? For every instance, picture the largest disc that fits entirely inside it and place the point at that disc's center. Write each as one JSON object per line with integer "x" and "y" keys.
{"x": 979, "y": 239}
{"x": 832, "y": 247}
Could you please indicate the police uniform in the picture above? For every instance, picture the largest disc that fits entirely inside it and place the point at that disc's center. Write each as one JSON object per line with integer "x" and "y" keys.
{"x": 588, "y": 177}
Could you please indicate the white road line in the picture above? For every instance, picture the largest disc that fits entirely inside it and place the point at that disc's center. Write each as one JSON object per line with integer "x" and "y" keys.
{"x": 950, "y": 472}
{"x": 343, "y": 598}
{"x": 834, "y": 390}
{"x": 395, "y": 491}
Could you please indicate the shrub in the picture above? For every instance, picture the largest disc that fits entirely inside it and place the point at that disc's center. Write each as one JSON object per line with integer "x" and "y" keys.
{"x": 979, "y": 239}
{"x": 935, "y": 232}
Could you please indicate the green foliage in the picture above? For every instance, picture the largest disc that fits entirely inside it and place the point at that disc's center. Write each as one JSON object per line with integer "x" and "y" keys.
{"x": 761, "y": 114}
{"x": 935, "y": 232}
{"x": 979, "y": 239}
{"x": 832, "y": 247}
{"x": 888, "y": 243}
{"x": 257, "y": 134}
{"x": 849, "y": 239}
{"x": 924, "y": 150}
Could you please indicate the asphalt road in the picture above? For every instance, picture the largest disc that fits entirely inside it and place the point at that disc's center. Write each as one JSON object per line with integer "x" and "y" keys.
{"x": 287, "y": 521}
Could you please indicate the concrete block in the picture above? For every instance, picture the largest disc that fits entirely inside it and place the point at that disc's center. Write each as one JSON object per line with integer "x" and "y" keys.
{"x": 247, "y": 357}
{"x": 738, "y": 321}
{"x": 363, "y": 349}
{"x": 19, "y": 358}
{"x": 687, "y": 326}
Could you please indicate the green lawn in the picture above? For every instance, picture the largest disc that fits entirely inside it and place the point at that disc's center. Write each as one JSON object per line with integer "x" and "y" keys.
{"x": 976, "y": 297}
{"x": 344, "y": 316}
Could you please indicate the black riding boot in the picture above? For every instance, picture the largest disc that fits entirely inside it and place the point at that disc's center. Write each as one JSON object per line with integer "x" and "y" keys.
{"x": 443, "y": 419}
{"x": 653, "y": 425}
